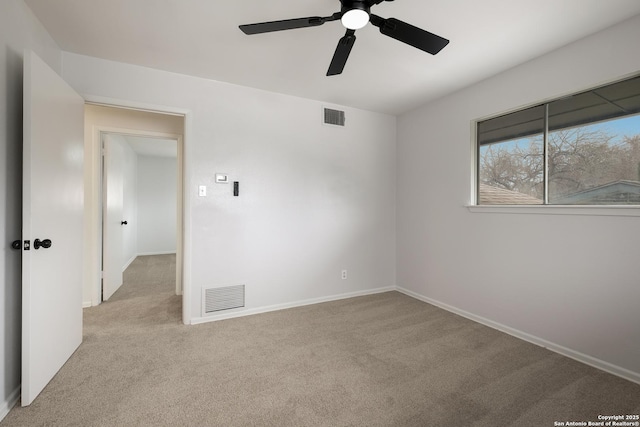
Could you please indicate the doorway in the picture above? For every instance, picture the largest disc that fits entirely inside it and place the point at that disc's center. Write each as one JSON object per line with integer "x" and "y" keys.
{"x": 139, "y": 208}
{"x": 139, "y": 129}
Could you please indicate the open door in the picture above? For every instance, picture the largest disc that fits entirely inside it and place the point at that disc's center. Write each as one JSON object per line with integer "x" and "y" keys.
{"x": 52, "y": 225}
{"x": 112, "y": 219}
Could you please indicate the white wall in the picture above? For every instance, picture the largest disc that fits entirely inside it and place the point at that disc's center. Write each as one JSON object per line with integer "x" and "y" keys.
{"x": 157, "y": 181}
{"x": 571, "y": 280}
{"x": 19, "y": 30}
{"x": 314, "y": 199}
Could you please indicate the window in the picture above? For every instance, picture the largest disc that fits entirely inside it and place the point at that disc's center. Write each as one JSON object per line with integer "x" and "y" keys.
{"x": 579, "y": 150}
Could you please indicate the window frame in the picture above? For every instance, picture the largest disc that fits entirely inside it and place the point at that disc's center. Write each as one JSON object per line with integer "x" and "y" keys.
{"x": 545, "y": 207}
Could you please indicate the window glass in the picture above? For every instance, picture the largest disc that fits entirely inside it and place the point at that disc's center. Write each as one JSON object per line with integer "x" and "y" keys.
{"x": 596, "y": 164}
{"x": 511, "y": 158}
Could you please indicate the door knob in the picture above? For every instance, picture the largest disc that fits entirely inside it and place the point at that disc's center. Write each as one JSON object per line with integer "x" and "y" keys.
{"x": 37, "y": 244}
{"x": 123, "y": 223}
{"x": 16, "y": 244}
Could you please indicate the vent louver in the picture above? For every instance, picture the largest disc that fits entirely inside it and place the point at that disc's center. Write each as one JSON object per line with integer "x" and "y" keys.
{"x": 224, "y": 298}
{"x": 334, "y": 117}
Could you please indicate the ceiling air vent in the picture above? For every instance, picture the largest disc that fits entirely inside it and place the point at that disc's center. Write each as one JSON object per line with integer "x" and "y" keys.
{"x": 225, "y": 298}
{"x": 333, "y": 117}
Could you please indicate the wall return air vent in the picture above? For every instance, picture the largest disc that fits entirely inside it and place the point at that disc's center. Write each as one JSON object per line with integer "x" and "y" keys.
{"x": 334, "y": 117}
{"x": 224, "y": 298}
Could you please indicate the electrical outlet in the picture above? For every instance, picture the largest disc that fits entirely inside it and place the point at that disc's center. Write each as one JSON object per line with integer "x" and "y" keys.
{"x": 344, "y": 274}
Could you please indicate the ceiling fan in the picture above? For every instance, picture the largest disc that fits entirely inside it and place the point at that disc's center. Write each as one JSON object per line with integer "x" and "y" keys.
{"x": 354, "y": 15}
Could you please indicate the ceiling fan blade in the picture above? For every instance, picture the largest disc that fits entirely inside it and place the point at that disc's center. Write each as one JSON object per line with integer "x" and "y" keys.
{"x": 288, "y": 24}
{"x": 342, "y": 53}
{"x": 407, "y": 33}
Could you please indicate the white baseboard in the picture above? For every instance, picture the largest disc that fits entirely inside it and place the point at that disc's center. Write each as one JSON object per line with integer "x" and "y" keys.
{"x": 86, "y": 304}
{"x": 575, "y": 355}
{"x": 8, "y": 404}
{"x": 241, "y": 312}
{"x": 128, "y": 263}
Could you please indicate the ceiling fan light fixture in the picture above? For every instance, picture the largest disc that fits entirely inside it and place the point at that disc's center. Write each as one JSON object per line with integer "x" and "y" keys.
{"x": 356, "y": 16}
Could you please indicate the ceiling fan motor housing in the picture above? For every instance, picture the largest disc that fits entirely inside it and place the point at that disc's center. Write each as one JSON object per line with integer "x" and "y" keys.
{"x": 348, "y": 5}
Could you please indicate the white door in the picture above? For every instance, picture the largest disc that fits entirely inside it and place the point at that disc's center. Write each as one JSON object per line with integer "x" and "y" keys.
{"x": 113, "y": 222}
{"x": 52, "y": 225}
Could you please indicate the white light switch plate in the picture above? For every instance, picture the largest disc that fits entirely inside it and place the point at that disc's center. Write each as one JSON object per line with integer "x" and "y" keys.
{"x": 202, "y": 191}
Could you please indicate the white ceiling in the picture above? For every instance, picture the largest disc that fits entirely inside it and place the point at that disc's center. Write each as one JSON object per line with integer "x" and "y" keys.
{"x": 201, "y": 38}
{"x": 157, "y": 147}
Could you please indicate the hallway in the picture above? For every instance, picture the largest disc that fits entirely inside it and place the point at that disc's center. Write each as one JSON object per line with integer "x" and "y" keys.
{"x": 147, "y": 296}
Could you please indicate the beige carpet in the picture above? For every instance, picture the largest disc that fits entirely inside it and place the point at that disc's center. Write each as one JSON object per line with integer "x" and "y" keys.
{"x": 380, "y": 360}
